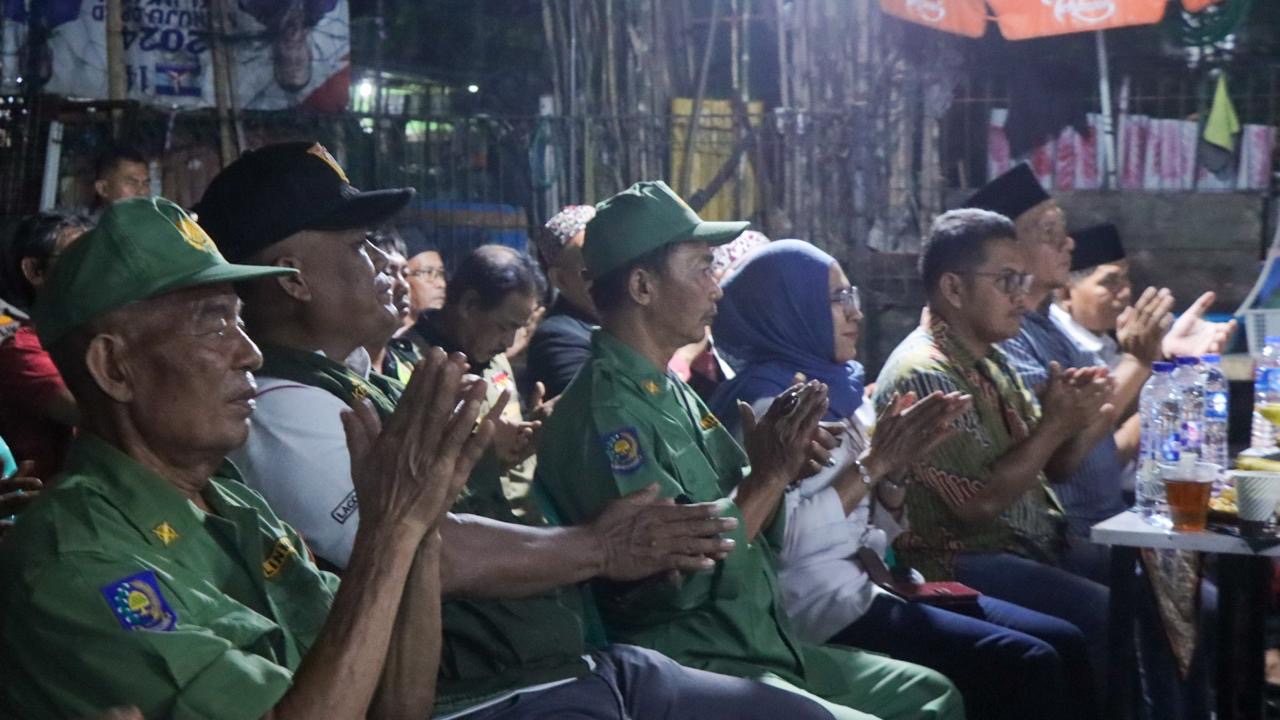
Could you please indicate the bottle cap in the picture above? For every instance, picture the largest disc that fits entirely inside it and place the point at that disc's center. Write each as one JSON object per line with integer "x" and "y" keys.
{"x": 1182, "y": 360}
{"x": 1161, "y": 366}
{"x": 1212, "y": 358}
{"x": 1272, "y": 340}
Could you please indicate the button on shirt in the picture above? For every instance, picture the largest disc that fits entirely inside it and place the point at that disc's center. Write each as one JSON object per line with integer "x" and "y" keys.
{"x": 115, "y": 589}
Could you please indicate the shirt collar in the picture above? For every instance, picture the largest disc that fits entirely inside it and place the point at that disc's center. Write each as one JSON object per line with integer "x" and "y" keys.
{"x": 946, "y": 342}
{"x": 635, "y": 367}
{"x": 161, "y": 513}
{"x": 1084, "y": 338}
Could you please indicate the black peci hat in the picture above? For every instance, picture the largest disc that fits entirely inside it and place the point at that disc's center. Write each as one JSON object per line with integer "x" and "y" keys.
{"x": 1011, "y": 194}
{"x": 1096, "y": 245}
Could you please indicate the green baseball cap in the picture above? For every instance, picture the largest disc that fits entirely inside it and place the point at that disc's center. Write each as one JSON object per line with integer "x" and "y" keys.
{"x": 642, "y": 218}
{"x": 141, "y": 247}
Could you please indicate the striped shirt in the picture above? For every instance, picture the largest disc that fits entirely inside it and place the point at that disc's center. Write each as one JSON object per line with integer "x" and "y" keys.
{"x": 1002, "y": 414}
{"x": 1093, "y": 492}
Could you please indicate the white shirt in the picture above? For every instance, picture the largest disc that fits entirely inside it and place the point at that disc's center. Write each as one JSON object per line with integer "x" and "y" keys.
{"x": 1101, "y": 345}
{"x": 824, "y": 589}
{"x": 297, "y": 458}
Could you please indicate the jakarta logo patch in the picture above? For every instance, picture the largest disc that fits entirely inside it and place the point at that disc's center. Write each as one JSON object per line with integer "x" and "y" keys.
{"x": 138, "y": 603}
{"x": 622, "y": 447}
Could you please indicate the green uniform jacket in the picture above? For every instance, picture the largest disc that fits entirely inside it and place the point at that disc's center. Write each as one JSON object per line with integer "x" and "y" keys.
{"x": 115, "y": 589}
{"x": 624, "y": 424}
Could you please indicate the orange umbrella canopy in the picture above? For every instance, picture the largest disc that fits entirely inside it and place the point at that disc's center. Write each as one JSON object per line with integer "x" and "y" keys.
{"x": 1023, "y": 19}
{"x": 962, "y": 17}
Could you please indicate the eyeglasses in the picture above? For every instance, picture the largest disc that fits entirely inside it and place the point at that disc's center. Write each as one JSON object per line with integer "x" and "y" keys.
{"x": 430, "y": 273}
{"x": 848, "y": 299}
{"x": 1009, "y": 282}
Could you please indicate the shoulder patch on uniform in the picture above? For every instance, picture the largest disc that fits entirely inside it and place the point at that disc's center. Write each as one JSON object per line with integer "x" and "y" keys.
{"x": 282, "y": 551}
{"x": 622, "y": 446}
{"x": 138, "y": 603}
{"x": 709, "y": 421}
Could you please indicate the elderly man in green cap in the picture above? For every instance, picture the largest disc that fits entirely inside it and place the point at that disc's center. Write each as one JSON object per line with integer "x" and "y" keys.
{"x": 626, "y": 423}
{"x": 149, "y": 575}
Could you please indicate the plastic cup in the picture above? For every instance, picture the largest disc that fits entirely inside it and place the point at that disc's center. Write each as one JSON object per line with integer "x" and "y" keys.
{"x": 1187, "y": 492}
{"x": 1257, "y": 494}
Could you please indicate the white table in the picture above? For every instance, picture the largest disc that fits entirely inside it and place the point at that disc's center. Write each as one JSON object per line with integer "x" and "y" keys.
{"x": 1244, "y": 577}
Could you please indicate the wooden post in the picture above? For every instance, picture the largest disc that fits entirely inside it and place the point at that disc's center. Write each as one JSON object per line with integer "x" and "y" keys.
{"x": 117, "y": 86}
{"x": 223, "y": 91}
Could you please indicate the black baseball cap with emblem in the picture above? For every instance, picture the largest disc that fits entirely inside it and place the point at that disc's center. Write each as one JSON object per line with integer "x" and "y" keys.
{"x": 273, "y": 192}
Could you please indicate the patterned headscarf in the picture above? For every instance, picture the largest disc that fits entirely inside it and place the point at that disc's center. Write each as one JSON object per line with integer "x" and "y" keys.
{"x": 561, "y": 228}
{"x": 733, "y": 253}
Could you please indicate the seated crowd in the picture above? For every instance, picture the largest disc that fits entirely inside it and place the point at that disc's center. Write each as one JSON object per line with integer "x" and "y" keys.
{"x": 263, "y": 460}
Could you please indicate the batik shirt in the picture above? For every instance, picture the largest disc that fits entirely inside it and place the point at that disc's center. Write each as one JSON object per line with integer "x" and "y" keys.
{"x": 1002, "y": 414}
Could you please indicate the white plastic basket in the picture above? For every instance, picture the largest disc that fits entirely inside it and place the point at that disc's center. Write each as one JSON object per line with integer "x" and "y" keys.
{"x": 1259, "y": 325}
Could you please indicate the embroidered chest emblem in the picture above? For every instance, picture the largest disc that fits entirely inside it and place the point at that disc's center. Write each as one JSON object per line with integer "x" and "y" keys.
{"x": 138, "y": 603}
{"x": 709, "y": 421}
{"x": 652, "y": 387}
{"x": 166, "y": 533}
{"x": 359, "y": 391}
{"x": 622, "y": 447}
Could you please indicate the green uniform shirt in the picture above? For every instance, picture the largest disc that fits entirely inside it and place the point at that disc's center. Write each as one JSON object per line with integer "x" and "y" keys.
{"x": 622, "y": 425}
{"x": 115, "y": 589}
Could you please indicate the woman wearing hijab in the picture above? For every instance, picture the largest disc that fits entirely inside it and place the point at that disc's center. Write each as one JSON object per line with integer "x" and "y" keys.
{"x": 789, "y": 313}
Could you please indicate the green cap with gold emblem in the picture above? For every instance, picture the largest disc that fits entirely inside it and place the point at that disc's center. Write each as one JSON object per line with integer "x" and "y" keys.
{"x": 642, "y": 218}
{"x": 142, "y": 247}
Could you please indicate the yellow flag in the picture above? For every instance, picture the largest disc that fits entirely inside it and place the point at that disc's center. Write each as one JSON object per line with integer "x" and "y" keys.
{"x": 1222, "y": 126}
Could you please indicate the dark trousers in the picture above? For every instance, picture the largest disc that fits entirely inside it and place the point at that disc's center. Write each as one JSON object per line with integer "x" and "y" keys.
{"x": 632, "y": 682}
{"x": 1059, "y": 594}
{"x": 1008, "y": 662}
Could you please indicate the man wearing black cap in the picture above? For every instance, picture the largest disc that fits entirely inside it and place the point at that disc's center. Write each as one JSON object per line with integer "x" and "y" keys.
{"x": 514, "y": 638}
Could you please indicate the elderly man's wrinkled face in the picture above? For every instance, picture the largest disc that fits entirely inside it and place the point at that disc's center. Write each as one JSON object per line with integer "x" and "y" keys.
{"x": 686, "y": 293}
{"x": 187, "y": 367}
{"x": 1046, "y": 246}
{"x": 1097, "y": 299}
{"x": 485, "y": 333}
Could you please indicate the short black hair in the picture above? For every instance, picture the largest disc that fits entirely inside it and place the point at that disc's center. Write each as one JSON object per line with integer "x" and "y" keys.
{"x": 35, "y": 237}
{"x": 387, "y": 239}
{"x": 493, "y": 272}
{"x": 115, "y": 154}
{"x": 957, "y": 242}
{"x": 609, "y": 291}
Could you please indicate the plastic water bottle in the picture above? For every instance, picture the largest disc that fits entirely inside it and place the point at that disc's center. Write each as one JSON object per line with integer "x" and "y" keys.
{"x": 1187, "y": 376}
{"x": 1159, "y": 407}
{"x": 1213, "y": 438}
{"x": 1266, "y": 391}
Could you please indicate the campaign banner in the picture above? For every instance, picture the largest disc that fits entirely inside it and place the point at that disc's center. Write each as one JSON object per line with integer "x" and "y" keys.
{"x": 281, "y": 53}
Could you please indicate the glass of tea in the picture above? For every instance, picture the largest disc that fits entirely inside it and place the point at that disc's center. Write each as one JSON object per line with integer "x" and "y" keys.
{"x": 1187, "y": 490}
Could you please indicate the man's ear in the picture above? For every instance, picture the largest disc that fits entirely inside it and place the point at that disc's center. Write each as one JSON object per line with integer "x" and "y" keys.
{"x": 106, "y": 359}
{"x": 641, "y": 286}
{"x": 100, "y": 187}
{"x": 951, "y": 289}
{"x": 31, "y": 270}
{"x": 294, "y": 284}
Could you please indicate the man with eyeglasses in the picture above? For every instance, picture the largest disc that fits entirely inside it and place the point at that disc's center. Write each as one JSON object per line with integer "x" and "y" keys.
{"x": 1088, "y": 472}
{"x": 982, "y": 511}
{"x": 425, "y": 274}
